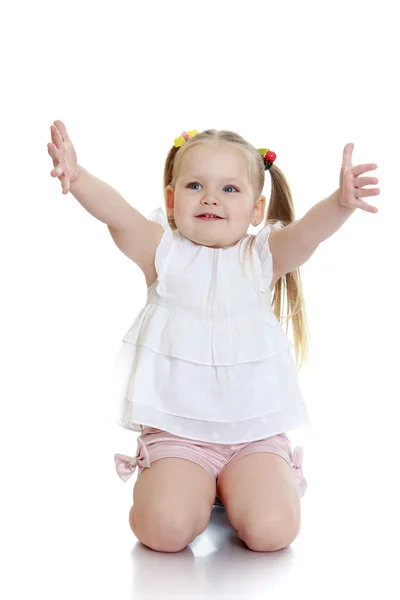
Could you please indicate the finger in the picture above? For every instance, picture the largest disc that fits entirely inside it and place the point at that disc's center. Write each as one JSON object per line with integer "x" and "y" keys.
{"x": 65, "y": 184}
{"x": 63, "y": 130}
{"x": 368, "y": 207}
{"x": 357, "y": 203}
{"x": 57, "y": 171}
{"x": 62, "y": 179}
{"x": 360, "y": 181}
{"x": 347, "y": 155}
{"x": 361, "y": 193}
{"x": 359, "y": 169}
{"x": 56, "y": 137}
{"x": 54, "y": 153}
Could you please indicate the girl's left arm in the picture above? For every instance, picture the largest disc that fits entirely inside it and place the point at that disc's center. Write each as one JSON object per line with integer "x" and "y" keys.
{"x": 294, "y": 244}
{"x": 326, "y": 217}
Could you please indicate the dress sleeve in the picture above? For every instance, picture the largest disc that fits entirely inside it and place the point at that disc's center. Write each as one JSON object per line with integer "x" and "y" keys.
{"x": 159, "y": 216}
{"x": 264, "y": 253}
{"x": 164, "y": 247}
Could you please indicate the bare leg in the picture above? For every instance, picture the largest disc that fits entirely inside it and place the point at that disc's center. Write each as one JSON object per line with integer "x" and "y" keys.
{"x": 172, "y": 505}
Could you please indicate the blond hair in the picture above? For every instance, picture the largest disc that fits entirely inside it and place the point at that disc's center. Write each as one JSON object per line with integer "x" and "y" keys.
{"x": 280, "y": 208}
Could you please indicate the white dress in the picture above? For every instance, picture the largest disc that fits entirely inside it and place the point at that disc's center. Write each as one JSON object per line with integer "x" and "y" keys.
{"x": 206, "y": 358}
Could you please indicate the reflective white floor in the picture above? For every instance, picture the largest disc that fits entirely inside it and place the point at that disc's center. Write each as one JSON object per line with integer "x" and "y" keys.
{"x": 65, "y": 529}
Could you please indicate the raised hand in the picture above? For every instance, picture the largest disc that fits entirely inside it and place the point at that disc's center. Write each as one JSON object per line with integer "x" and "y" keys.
{"x": 64, "y": 156}
{"x": 351, "y": 192}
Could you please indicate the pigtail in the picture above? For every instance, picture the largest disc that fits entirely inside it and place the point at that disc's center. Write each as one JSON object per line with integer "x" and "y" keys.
{"x": 281, "y": 208}
{"x": 168, "y": 177}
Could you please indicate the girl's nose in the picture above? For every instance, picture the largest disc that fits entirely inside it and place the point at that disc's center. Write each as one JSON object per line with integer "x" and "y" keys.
{"x": 209, "y": 199}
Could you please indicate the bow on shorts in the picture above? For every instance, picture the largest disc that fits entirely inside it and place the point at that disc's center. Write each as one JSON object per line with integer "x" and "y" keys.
{"x": 126, "y": 465}
{"x": 298, "y": 471}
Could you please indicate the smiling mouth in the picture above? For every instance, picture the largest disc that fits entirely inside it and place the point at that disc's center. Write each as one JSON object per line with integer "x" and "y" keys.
{"x": 208, "y": 217}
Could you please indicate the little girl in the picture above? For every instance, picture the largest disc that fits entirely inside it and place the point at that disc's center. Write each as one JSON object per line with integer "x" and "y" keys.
{"x": 205, "y": 372}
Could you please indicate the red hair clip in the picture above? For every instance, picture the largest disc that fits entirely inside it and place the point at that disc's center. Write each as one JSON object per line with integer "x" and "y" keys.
{"x": 268, "y": 157}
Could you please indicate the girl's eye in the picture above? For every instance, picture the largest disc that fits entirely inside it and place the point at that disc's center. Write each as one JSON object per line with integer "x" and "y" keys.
{"x": 195, "y": 183}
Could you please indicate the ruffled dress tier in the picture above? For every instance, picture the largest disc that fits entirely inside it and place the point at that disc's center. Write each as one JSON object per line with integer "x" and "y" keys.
{"x": 206, "y": 358}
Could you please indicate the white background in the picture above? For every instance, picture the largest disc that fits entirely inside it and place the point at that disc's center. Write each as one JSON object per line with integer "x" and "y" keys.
{"x": 302, "y": 78}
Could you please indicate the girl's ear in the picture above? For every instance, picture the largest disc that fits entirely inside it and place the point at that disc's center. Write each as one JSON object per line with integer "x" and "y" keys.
{"x": 169, "y": 200}
{"x": 259, "y": 209}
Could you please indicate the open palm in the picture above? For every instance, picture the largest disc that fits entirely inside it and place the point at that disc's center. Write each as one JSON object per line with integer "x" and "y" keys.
{"x": 351, "y": 185}
{"x": 64, "y": 157}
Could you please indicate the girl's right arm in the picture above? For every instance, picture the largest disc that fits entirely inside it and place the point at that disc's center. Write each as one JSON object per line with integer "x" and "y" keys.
{"x": 135, "y": 236}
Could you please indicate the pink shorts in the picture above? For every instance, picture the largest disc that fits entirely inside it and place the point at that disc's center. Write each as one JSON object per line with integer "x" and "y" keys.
{"x": 153, "y": 444}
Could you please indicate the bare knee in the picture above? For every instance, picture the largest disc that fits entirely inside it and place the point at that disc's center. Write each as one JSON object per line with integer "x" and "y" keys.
{"x": 270, "y": 535}
{"x": 172, "y": 503}
{"x": 165, "y": 532}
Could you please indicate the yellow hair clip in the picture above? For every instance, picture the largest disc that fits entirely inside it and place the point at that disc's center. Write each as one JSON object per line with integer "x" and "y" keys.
{"x": 179, "y": 141}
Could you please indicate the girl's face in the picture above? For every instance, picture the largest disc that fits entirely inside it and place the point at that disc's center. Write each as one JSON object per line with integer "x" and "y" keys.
{"x": 213, "y": 179}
